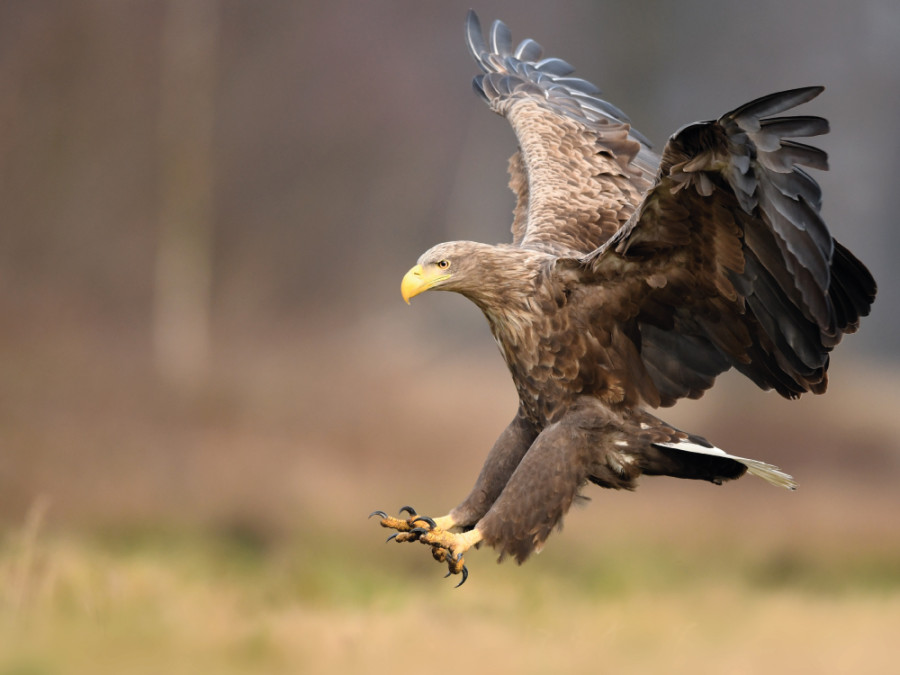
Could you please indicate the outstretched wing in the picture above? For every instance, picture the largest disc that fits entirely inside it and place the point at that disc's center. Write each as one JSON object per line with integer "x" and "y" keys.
{"x": 727, "y": 261}
{"x": 580, "y": 168}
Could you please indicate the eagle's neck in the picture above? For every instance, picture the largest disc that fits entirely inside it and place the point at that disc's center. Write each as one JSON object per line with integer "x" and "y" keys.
{"x": 510, "y": 291}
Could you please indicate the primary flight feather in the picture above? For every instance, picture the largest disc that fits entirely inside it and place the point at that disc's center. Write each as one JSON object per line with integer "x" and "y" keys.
{"x": 632, "y": 281}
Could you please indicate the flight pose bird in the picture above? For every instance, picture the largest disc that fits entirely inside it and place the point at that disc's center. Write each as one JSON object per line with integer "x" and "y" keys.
{"x": 633, "y": 281}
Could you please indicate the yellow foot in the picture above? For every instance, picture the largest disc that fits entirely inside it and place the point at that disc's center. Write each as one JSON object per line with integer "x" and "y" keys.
{"x": 446, "y": 547}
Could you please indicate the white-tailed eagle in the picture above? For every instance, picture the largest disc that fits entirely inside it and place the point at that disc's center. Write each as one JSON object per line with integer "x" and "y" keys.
{"x": 633, "y": 281}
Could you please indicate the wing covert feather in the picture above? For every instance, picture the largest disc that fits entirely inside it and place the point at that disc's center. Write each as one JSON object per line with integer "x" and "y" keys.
{"x": 580, "y": 168}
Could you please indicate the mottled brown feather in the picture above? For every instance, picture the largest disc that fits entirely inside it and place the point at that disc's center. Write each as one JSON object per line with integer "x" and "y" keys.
{"x": 620, "y": 293}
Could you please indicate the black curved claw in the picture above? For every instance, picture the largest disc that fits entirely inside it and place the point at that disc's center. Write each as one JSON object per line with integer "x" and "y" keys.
{"x": 391, "y": 537}
{"x": 465, "y": 575}
{"x": 419, "y": 531}
{"x": 408, "y": 509}
{"x": 380, "y": 514}
{"x": 425, "y": 519}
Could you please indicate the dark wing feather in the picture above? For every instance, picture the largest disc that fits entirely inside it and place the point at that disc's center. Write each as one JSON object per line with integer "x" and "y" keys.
{"x": 727, "y": 261}
{"x": 580, "y": 168}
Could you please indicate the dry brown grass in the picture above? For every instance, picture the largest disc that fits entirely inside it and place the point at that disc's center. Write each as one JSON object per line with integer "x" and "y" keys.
{"x": 182, "y": 602}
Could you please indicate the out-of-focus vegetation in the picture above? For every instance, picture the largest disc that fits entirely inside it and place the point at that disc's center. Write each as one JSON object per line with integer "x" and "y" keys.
{"x": 187, "y": 602}
{"x": 208, "y": 379}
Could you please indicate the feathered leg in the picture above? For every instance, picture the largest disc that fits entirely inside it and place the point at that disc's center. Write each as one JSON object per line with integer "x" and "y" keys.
{"x": 500, "y": 464}
{"x": 541, "y": 489}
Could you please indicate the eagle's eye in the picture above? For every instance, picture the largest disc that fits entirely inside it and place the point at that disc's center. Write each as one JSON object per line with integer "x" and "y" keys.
{"x": 443, "y": 264}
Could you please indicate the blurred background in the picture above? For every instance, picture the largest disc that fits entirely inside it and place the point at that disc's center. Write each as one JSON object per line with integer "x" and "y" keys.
{"x": 208, "y": 378}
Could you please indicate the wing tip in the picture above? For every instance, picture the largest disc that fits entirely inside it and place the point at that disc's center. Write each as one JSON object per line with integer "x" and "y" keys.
{"x": 550, "y": 77}
{"x": 750, "y": 113}
{"x": 475, "y": 37}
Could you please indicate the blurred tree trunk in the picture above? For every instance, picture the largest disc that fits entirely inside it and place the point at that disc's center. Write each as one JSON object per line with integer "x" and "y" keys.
{"x": 184, "y": 257}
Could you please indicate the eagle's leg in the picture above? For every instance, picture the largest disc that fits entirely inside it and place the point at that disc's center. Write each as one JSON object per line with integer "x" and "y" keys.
{"x": 543, "y": 487}
{"x": 501, "y": 462}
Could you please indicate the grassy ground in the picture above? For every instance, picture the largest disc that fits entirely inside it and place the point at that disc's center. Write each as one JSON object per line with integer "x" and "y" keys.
{"x": 170, "y": 601}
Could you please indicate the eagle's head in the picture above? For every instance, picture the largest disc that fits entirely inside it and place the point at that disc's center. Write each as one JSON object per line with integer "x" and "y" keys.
{"x": 451, "y": 266}
{"x": 505, "y": 281}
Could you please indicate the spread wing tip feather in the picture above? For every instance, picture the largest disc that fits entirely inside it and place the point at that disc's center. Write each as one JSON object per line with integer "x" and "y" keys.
{"x": 772, "y": 104}
{"x": 548, "y": 78}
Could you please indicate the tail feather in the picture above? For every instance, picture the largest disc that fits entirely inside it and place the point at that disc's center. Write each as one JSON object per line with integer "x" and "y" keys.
{"x": 768, "y": 472}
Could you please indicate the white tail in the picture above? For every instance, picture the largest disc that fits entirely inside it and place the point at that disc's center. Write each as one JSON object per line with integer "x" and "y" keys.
{"x": 768, "y": 472}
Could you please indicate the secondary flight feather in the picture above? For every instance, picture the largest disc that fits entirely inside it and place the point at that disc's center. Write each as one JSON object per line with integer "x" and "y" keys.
{"x": 632, "y": 281}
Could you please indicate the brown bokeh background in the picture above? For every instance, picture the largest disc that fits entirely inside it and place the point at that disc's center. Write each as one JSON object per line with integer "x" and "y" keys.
{"x": 205, "y": 212}
{"x": 206, "y": 209}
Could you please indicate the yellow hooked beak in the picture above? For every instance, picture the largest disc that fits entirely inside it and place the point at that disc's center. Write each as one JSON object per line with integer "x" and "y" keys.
{"x": 418, "y": 280}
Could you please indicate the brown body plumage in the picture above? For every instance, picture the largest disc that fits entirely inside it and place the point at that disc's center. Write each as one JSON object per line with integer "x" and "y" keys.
{"x": 633, "y": 281}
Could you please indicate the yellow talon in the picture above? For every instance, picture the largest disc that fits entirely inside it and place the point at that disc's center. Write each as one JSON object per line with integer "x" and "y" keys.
{"x": 446, "y": 546}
